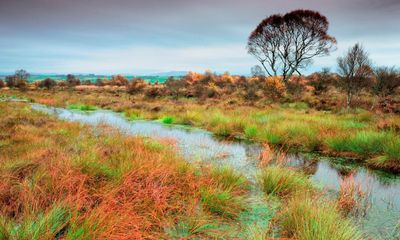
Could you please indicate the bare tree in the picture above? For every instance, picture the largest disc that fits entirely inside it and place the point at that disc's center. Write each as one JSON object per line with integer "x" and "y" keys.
{"x": 72, "y": 81}
{"x": 355, "y": 72}
{"x": 18, "y": 80}
{"x": 257, "y": 71}
{"x": 22, "y": 75}
{"x": 285, "y": 44}
{"x": 387, "y": 81}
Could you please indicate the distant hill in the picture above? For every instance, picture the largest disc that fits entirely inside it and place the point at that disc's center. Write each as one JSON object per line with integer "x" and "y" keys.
{"x": 152, "y": 78}
{"x": 170, "y": 73}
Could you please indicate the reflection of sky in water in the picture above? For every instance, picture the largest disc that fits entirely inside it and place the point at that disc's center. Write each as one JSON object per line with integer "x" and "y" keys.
{"x": 199, "y": 145}
{"x": 194, "y": 144}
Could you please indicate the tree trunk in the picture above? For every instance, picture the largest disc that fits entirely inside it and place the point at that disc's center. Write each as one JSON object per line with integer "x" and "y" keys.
{"x": 349, "y": 98}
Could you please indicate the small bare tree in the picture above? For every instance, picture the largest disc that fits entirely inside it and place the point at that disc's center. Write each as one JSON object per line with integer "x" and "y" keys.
{"x": 256, "y": 71}
{"x": 285, "y": 44}
{"x": 355, "y": 72}
{"x": 18, "y": 80}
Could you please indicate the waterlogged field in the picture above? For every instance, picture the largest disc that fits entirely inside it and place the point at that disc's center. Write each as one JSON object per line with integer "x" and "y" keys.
{"x": 69, "y": 181}
{"x": 357, "y": 134}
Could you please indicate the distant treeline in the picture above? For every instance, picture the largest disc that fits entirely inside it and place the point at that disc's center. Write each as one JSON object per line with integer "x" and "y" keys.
{"x": 92, "y": 77}
{"x": 320, "y": 90}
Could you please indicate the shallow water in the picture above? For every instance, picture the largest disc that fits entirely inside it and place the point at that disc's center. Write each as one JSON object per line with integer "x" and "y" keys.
{"x": 196, "y": 145}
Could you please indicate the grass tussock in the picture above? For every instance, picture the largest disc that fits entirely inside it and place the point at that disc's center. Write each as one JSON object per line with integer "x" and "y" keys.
{"x": 167, "y": 120}
{"x": 224, "y": 195}
{"x": 306, "y": 218}
{"x": 283, "y": 182}
{"x": 352, "y": 199}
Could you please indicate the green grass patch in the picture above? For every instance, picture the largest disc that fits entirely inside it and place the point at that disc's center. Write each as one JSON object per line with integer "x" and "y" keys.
{"x": 81, "y": 107}
{"x": 363, "y": 143}
{"x": 307, "y": 219}
{"x": 133, "y": 115}
{"x": 167, "y": 120}
{"x": 392, "y": 149}
{"x": 250, "y": 131}
{"x": 282, "y": 181}
{"x": 50, "y": 225}
{"x": 296, "y": 105}
{"x": 229, "y": 179}
{"x": 271, "y": 137}
{"x": 153, "y": 145}
{"x": 222, "y": 202}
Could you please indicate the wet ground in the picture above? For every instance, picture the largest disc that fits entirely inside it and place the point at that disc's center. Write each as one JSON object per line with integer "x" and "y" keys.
{"x": 380, "y": 221}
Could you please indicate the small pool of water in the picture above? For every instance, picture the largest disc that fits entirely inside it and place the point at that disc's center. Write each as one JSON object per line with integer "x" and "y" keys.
{"x": 382, "y": 220}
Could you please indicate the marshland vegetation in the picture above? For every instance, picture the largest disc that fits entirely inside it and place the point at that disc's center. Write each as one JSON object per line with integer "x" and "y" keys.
{"x": 96, "y": 174}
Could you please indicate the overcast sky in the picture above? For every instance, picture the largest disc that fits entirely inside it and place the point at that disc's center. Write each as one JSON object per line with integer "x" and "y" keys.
{"x": 139, "y": 37}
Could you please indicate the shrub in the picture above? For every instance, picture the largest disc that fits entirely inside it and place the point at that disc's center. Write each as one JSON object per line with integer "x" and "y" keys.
{"x": 154, "y": 91}
{"x": 100, "y": 82}
{"x": 136, "y": 86}
{"x": 119, "y": 80}
{"x": 72, "y": 81}
{"x": 15, "y": 82}
{"x": 283, "y": 182}
{"x": 321, "y": 81}
{"x": 274, "y": 88}
{"x": 296, "y": 86}
{"x": 47, "y": 83}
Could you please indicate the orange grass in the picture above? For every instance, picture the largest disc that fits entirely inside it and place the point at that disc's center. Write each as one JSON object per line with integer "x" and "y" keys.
{"x": 111, "y": 186}
{"x": 352, "y": 198}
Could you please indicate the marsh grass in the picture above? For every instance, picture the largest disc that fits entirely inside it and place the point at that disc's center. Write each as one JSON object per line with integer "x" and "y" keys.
{"x": 82, "y": 107}
{"x": 340, "y": 133}
{"x": 50, "y": 225}
{"x": 59, "y": 180}
{"x": 228, "y": 179}
{"x": 364, "y": 143}
{"x": 192, "y": 227}
{"x": 283, "y": 182}
{"x": 167, "y": 120}
{"x": 250, "y": 132}
{"x": 308, "y": 218}
{"x": 225, "y": 195}
{"x": 222, "y": 202}
{"x": 392, "y": 149}
{"x": 352, "y": 199}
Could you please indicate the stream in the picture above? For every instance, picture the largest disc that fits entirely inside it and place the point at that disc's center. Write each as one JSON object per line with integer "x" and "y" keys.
{"x": 381, "y": 220}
